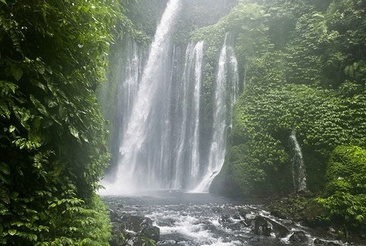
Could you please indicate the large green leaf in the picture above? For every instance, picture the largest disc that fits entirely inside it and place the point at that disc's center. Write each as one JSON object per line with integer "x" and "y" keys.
{"x": 17, "y": 72}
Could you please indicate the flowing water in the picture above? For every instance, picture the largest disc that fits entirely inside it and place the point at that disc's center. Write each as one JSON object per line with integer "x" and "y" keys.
{"x": 226, "y": 88}
{"x": 194, "y": 219}
{"x": 298, "y": 169}
{"x": 160, "y": 104}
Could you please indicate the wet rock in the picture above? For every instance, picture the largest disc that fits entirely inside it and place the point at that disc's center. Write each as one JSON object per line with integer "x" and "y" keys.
{"x": 287, "y": 222}
{"x": 332, "y": 232}
{"x": 168, "y": 242}
{"x": 262, "y": 226}
{"x": 250, "y": 219}
{"x": 333, "y": 244}
{"x": 224, "y": 219}
{"x": 132, "y": 230}
{"x": 237, "y": 216}
{"x": 250, "y": 216}
{"x": 279, "y": 230}
{"x": 298, "y": 236}
{"x": 265, "y": 226}
{"x": 135, "y": 223}
{"x": 152, "y": 232}
{"x": 320, "y": 242}
{"x": 114, "y": 216}
{"x": 237, "y": 226}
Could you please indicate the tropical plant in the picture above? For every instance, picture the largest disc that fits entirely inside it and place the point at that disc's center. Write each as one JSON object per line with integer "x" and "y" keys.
{"x": 52, "y": 141}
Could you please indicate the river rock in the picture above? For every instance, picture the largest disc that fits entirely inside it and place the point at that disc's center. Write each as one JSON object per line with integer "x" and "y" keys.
{"x": 262, "y": 226}
{"x": 266, "y": 226}
{"x": 114, "y": 216}
{"x": 152, "y": 232}
{"x": 135, "y": 223}
{"x": 250, "y": 216}
{"x": 298, "y": 236}
{"x": 320, "y": 242}
{"x": 132, "y": 230}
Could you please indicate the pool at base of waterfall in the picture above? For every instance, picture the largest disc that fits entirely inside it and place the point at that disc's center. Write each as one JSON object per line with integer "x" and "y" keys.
{"x": 198, "y": 219}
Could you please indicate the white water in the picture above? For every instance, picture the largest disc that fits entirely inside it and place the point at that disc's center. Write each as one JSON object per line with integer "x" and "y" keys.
{"x": 189, "y": 219}
{"x": 160, "y": 138}
{"x": 226, "y": 89}
{"x": 298, "y": 168}
{"x": 135, "y": 143}
{"x": 187, "y": 161}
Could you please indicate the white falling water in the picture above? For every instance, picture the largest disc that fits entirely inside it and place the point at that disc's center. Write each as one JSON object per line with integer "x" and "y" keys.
{"x": 129, "y": 88}
{"x": 227, "y": 77}
{"x": 195, "y": 156}
{"x": 187, "y": 156}
{"x": 298, "y": 168}
{"x": 140, "y": 149}
{"x": 160, "y": 108}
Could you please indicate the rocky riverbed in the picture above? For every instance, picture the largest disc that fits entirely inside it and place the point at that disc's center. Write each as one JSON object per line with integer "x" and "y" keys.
{"x": 178, "y": 218}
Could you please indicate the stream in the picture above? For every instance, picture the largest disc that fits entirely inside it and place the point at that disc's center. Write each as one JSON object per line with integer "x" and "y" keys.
{"x": 198, "y": 219}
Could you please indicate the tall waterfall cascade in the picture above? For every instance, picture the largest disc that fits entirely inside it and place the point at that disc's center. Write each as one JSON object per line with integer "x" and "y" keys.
{"x": 227, "y": 86}
{"x": 298, "y": 167}
{"x": 160, "y": 131}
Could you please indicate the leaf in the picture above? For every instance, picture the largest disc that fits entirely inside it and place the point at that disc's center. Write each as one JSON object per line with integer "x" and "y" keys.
{"x": 74, "y": 132}
{"x": 12, "y": 128}
{"x": 42, "y": 109}
{"x": 3, "y": 1}
{"x": 52, "y": 104}
{"x": 4, "y": 168}
{"x": 14, "y": 195}
{"x": 12, "y": 232}
{"x": 7, "y": 87}
{"x": 17, "y": 72}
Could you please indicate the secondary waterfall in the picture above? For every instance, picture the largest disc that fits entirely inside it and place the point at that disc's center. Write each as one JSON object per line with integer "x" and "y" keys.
{"x": 186, "y": 156}
{"x": 160, "y": 124}
{"x": 298, "y": 168}
{"x": 226, "y": 90}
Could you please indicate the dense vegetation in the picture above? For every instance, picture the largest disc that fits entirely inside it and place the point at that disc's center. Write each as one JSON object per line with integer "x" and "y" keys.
{"x": 304, "y": 67}
{"x": 303, "y": 64}
{"x": 52, "y": 142}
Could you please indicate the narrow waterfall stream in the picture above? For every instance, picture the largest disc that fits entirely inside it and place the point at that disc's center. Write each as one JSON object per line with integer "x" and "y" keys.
{"x": 226, "y": 88}
{"x": 298, "y": 167}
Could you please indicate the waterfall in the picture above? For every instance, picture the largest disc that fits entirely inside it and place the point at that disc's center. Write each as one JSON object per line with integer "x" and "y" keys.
{"x": 187, "y": 152}
{"x": 129, "y": 88}
{"x": 298, "y": 167}
{"x": 160, "y": 110}
{"x": 226, "y": 89}
{"x": 142, "y": 162}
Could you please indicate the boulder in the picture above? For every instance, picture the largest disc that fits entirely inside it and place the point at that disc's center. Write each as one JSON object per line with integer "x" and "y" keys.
{"x": 262, "y": 226}
{"x": 265, "y": 226}
{"x": 132, "y": 230}
{"x": 135, "y": 223}
{"x": 152, "y": 232}
{"x": 320, "y": 242}
{"x": 298, "y": 236}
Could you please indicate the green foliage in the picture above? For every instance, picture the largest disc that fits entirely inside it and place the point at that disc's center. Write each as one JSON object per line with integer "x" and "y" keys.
{"x": 346, "y": 170}
{"x": 345, "y": 190}
{"x": 53, "y": 57}
{"x": 345, "y": 197}
{"x": 303, "y": 65}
